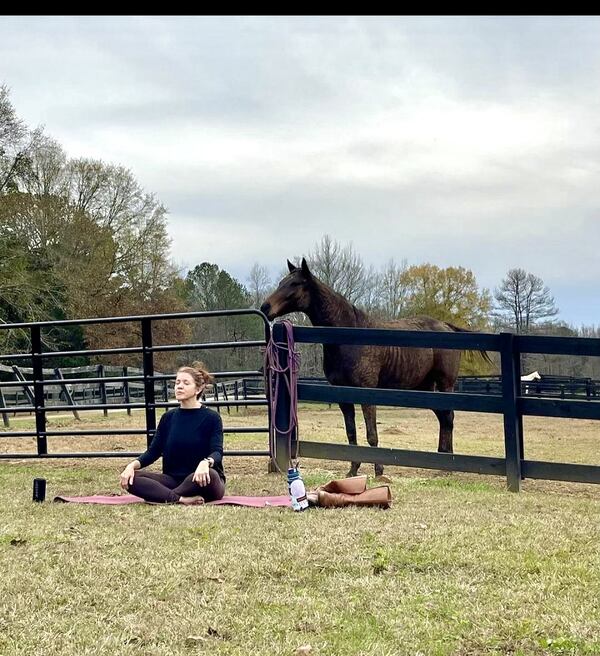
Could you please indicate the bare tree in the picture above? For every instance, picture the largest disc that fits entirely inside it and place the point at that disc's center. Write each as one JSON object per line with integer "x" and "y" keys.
{"x": 87, "y": 179}
{"x": 16, "y": 145}
{"x": 137, "y": 221}
{"x": 522, "y": 299}
{"x": 370, "y": 300}
{"x": 393, "y": 289}
{"x": 47, "y": 169}
{"x": 259, "y": 284}
{"x": 340, "y": 267}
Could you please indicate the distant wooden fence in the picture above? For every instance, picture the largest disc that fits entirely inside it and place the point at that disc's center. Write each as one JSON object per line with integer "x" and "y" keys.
{"x": 98, "y": 390}
{"x": 228, "y": 392}
{"x": 562, "y": 387}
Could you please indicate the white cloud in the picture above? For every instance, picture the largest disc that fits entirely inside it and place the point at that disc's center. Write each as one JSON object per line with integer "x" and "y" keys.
{"x": 470, "y": 141}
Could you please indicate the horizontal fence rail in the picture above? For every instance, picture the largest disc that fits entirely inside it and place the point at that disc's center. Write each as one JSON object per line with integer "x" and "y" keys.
{"x": 423, "y": 459}
{"x": 404, "y": 398}
{"x": 120, "y": 454}
{"x": 392, "y": 337}
{"x": 145, "y": 383}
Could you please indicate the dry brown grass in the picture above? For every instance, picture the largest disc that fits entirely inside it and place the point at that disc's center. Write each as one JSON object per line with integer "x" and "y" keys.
{"x": 458, "y": 565}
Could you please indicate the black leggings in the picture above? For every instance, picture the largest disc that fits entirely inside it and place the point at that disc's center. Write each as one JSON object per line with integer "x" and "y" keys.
{"x": 162, "y": 488}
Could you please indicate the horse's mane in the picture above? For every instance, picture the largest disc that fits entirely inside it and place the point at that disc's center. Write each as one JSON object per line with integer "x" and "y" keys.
{"x": 339, "y": 304}
{"x": 362, "y": 318}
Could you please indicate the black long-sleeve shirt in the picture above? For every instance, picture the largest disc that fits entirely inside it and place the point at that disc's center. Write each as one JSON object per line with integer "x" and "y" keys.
{"x": 184, "y": 437}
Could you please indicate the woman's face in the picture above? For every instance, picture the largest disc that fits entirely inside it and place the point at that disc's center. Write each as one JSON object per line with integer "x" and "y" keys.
{"x": 185, "y": 387}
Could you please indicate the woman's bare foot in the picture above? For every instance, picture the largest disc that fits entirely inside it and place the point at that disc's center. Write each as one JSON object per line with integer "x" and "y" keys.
{"x": 191, "y": 501}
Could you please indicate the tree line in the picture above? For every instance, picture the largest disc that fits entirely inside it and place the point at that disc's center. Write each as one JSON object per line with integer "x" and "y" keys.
{"x": 521, "y": 303}
{"x": 80, "y": 238}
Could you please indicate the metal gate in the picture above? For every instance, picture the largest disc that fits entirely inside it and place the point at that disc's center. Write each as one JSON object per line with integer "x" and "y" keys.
{"x": 37, "y": 356}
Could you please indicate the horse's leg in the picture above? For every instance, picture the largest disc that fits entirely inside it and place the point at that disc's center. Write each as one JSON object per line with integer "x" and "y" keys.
{"x": 446, "y": 419}
{"x": 370, "y": 415}
{"x": 348, "y": 412}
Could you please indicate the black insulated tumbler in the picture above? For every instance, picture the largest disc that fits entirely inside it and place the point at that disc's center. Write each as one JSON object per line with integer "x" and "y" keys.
{"x": 39, "y": 489}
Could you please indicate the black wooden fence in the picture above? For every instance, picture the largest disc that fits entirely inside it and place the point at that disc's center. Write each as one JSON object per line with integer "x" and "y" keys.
{"x": 39, "y": 382}
{"x": 512, "y": 404}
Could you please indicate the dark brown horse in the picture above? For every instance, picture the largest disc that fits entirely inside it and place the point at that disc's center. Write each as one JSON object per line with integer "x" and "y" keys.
{"x": 426, "y": 369}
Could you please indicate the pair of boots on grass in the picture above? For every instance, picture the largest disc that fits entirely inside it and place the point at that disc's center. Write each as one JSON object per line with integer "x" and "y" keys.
{"x": 350, "y": 492}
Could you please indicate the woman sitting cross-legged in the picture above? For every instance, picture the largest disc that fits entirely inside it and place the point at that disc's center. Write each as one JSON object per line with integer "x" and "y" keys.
{"x": 190, "y": 440}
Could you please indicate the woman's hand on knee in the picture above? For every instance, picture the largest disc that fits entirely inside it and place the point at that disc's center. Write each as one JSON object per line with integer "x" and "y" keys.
{"x": 202, "y": 476}
{"x": 127, "y": 476}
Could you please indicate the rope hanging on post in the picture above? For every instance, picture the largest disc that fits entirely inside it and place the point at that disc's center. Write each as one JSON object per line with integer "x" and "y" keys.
{"x": 277, "y": 372}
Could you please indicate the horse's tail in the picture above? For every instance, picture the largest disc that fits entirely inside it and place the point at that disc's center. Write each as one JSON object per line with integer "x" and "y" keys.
{"x": 458, "y": 329}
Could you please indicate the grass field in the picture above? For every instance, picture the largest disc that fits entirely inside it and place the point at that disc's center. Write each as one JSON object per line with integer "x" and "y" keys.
{"x": 458, "y": 565}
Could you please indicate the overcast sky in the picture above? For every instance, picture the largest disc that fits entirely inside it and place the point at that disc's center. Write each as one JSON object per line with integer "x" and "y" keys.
{"x": 460, "y": 141}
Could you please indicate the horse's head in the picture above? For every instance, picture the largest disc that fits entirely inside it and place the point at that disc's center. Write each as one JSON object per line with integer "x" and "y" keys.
{"x": 293, "y": 293}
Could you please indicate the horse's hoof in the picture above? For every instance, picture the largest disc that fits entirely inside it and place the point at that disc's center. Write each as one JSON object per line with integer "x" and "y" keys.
{"x": 351, "y": 474}
{"x": 383, "y": 479}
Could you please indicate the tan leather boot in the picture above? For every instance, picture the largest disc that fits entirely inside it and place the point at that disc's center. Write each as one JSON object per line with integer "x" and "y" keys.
{"x": 377, "y": 496}
{"x": 353, "y": 485}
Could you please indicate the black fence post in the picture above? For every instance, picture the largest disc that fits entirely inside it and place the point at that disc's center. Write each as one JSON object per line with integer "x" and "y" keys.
{"x": 102, "y": 389}
{"x": 148, "y": 366}
{"x": 511, "y": 387}
{"x": 127, "y": 397}
{"x": 226, "y": 397}
{"x": 273, "y": 466}
{"x": 38, "y": 390}
{"x": 517, "y": 358}
{"x": 4, "y": 414}
{"x": 215, "y": 391}
{"x": 285, "y": 440}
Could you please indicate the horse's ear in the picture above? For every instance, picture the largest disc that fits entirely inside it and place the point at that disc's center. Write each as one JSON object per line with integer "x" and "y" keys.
{"x": 304, "y": 267}
{"x": 291, "y": 267}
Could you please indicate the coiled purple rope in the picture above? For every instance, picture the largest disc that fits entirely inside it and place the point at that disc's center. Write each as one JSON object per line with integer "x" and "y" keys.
{"x": 277, "y": 372}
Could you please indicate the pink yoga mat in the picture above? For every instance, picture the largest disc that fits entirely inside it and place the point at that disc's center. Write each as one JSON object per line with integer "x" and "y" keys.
{"x": 119, "y": 500}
